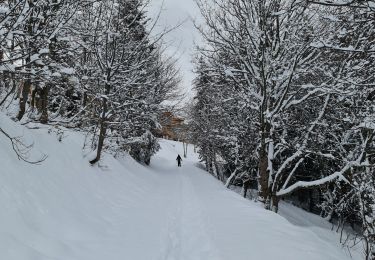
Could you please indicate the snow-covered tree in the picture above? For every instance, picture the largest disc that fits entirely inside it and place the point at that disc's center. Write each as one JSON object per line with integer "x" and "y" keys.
{"x": 301, "y": 79}
{"x": 124, "y": 75}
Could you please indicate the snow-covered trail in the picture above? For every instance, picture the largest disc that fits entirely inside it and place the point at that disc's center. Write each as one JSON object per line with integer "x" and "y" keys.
{"x": 64, "y": 209}
{"x": 208, "y": 221}
{"x": 185, "y": 235}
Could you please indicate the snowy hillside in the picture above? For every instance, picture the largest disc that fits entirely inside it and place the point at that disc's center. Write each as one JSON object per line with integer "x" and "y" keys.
{"x": 68, "y": 210}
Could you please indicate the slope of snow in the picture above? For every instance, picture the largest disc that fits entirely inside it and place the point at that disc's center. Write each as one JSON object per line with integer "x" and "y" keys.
{"x": 66, "y": 209}
{"x": 322, "y": 228}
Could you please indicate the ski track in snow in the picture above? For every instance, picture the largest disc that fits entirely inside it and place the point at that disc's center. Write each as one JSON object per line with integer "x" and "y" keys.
{"x": 185, "y": 236}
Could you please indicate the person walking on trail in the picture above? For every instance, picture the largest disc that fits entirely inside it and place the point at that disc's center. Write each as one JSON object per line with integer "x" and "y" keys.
{"x": 179, "y": 160}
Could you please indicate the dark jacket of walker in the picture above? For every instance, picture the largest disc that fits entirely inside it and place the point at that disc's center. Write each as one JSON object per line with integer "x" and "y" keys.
{"x": 179, "y": 160}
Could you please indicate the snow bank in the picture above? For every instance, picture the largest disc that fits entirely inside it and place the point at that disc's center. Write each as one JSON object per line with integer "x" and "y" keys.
{"x": 66, "y": 209}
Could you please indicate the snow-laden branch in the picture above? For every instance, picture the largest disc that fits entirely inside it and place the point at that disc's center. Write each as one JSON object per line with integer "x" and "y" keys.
{"x": 297, "y": 154}
{"x": 309, "y": 184}
{"x": 360, "y": 161}
{"x": 322, "y": 45}
{"x": 367, "y": 4}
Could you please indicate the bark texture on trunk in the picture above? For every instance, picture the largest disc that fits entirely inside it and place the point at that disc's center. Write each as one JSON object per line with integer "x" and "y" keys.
{"x": 263, "y": 175}
{"x": 264, "y": 192}
{"x": 44, "y": 105}
{"x": 102, "y": 132}
{"x": 23, "y": 99}
{"x": 33, "y": 102}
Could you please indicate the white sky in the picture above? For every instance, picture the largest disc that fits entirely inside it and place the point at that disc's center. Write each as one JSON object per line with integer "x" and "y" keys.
{"x": 180, "y": 41}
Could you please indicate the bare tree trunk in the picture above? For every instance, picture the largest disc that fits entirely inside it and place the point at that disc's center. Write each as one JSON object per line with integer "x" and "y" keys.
{"x": 102, "y": 133}
{"x": 263, "y": 173}
{"x": 27, "y": 84}
{"x": 245, "y": 187}
{"x": 23, "y": 99}
{"x": 84, "y": 102}
{"x": 275, "y": 203}
{"x": 44, "y": 105}
{"x": 185, "y": 146}
{"x": 264, "y": 192}
{"x": 217, "y": 170}
{"x": 33, "y": 101}
{"x": 103, "y": 120}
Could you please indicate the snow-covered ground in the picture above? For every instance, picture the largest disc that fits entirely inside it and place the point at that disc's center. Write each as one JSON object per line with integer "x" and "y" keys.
{"x": 65, "y": 209}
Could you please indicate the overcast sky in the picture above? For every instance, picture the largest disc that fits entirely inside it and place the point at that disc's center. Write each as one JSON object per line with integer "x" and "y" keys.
{"x": 180, "y": 41}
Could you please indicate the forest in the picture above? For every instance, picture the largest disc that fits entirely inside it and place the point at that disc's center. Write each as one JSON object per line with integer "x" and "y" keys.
{"x": 89, "y": 65}
{"x": 283, "y": 102}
